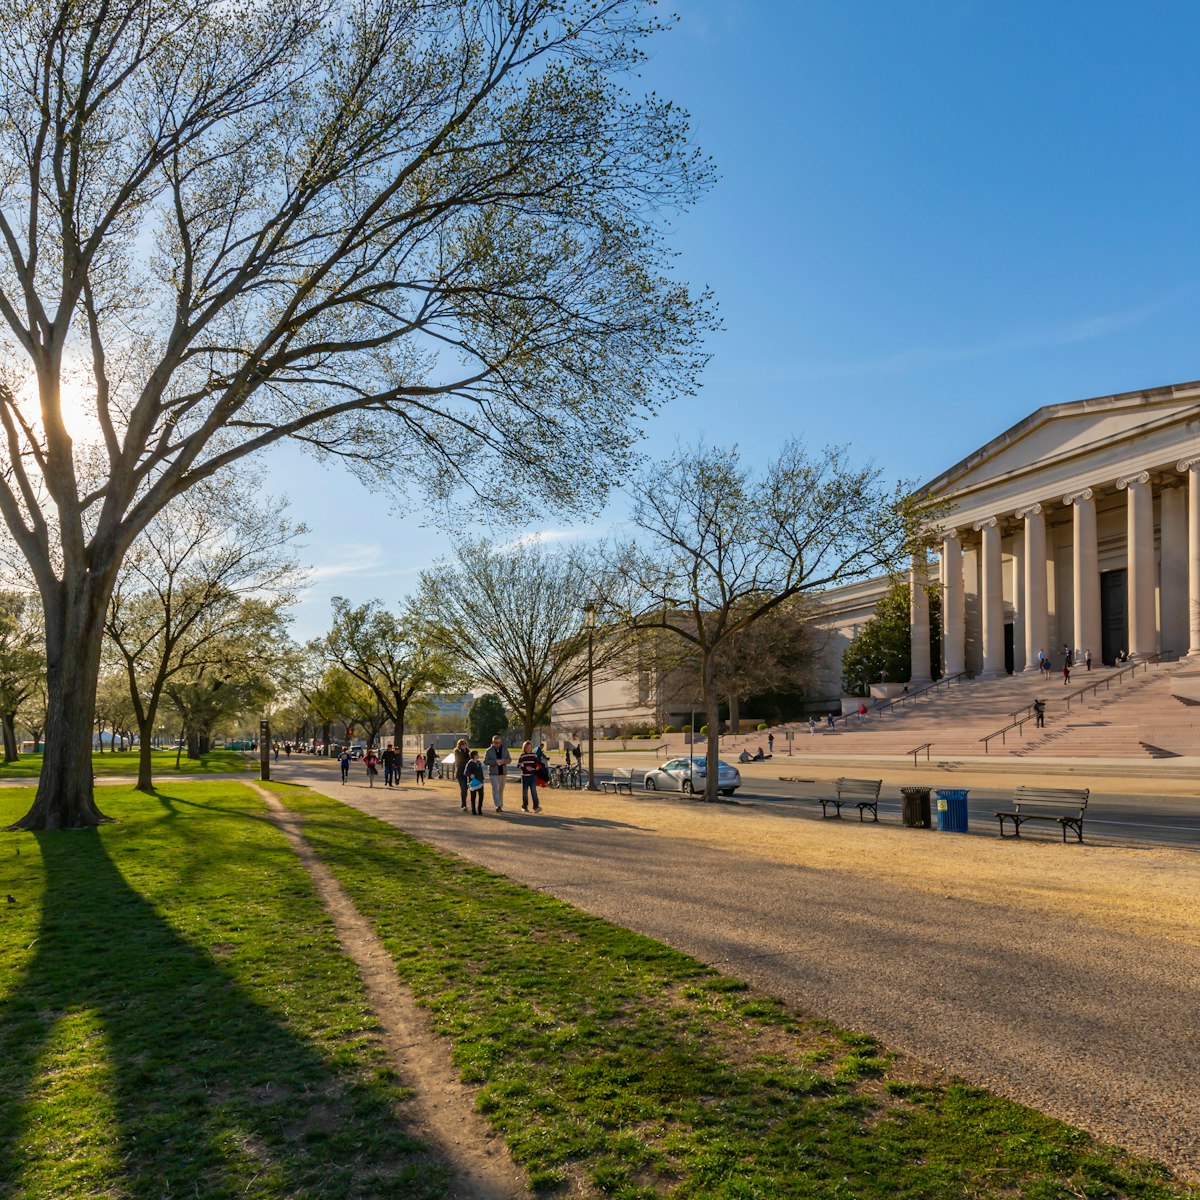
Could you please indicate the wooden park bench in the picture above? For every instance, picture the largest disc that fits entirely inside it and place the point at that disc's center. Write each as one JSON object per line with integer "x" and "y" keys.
{"x": 846, "y": 789}
{"x": 1064, "y": 805}
{"x": 622, "y": 781}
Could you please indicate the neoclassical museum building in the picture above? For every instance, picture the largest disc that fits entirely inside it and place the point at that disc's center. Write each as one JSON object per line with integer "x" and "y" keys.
{"x": 1078, "y": 528}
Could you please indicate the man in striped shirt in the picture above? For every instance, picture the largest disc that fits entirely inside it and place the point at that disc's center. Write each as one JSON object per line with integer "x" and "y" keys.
{"x": 527, "y": 764}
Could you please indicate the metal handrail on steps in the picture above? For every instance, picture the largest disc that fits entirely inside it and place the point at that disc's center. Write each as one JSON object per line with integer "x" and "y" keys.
{"x": 1107, "y": 681}
{"x": 917, "y": 750}
{"x": 879, "y": 709}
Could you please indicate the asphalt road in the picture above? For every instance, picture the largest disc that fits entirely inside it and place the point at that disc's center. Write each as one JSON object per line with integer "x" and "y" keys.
{"x": 1110, "y": 817}
{"x": 1075, "y": 989}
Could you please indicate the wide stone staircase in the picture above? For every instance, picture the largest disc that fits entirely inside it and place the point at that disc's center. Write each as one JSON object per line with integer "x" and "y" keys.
{"x": 1126, "y": 715}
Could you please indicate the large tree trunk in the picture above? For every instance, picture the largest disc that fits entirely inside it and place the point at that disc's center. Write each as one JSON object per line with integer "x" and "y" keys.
{"x": 145, "y": 781}
{"x": 9, "y": 720}
{"x": 74, "y": 630}
{"x": 325, "y": 730}
{"x": 735, "y": 714}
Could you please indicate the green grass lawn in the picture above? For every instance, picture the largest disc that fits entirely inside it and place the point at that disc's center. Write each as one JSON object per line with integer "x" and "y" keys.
{"x": 125, "y": 762}
{"x": 176, "y": 1020}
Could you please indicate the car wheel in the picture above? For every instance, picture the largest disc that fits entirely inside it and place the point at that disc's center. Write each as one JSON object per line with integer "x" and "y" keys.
{"x": 651, "y": 786}
{"x": 688, "y": 789}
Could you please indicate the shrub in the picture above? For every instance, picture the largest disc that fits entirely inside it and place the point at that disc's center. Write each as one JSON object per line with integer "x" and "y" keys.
{"x": 687, "y": 729}
{"x": 761, "y": 726}
{"x": 669, "y": 729}
{"x": 704, "y": 730}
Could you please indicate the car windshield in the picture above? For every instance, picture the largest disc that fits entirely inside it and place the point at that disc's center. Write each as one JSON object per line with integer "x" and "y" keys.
{"x": 701, "y": 764}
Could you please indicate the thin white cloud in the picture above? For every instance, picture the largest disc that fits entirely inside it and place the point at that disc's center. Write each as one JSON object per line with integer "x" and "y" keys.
{"x": 920, "y": 357}
{"x": 541, "y": 537}
{"x": 353, "y": 559}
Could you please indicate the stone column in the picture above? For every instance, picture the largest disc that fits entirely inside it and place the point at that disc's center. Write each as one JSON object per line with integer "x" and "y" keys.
{"x": 1143, "y": 623}
{"x": 1020, "y": 620}
{"x": 1086, "y": 628}
{"x": 1037, "y": 618}
{"x": 1192, "y": 467}
{"x": 918, "y": 620}
{"x": 992, "y": 600}
{"x": 954, "y": 625}
{"x": 1173, "y": 572}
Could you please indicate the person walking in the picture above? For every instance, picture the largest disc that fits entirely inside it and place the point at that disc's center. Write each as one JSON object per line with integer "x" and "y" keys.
{"x": 431, "y": 760}
{"x": 1087, "y": 659}
{"x": 527, "y": 764}
{"x": 473, "y": 781}
{"x": 771, "y": 738}
{"x": 372, "y": 761}
{"x": 419, "y": 766}
{"x": 497, "y": 759}
{"x": 389, "y": 764}
{"x": 1066, "y": 672}
{"x": 462, "y": 756}
{"x": 1039, "y": 714}
{"x": 344, "y": 762}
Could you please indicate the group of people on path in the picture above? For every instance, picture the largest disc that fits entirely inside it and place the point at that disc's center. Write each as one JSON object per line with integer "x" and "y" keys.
{"x": 470, "y": 771}
{"x": 533, "y": 766}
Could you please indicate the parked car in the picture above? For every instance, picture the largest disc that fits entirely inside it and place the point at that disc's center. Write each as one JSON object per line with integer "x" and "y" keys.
{"x": 688, "y": 775}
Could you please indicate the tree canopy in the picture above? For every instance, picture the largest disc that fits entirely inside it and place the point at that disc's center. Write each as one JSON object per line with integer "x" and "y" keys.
{"x": 514, "y": 618}
{"x": 357, "y": 226}
{"x": 882, "y": 648}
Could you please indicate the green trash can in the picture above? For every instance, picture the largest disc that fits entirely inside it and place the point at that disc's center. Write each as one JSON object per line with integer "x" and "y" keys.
{"x": 915, "y": 813}
{"x": 952, "y": 810}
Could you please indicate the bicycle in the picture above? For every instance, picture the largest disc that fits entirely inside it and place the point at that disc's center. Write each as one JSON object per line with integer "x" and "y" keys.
{"x": 568, "y": 777}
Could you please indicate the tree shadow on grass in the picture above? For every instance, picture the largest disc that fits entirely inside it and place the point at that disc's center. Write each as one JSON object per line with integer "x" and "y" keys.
{"x": 207, "y": 1091}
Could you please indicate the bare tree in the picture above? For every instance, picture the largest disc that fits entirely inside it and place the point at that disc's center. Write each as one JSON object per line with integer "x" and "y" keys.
{"x": 721, "y": 548}
{"x": 349, "y": 225}
{"x": 179, "y": 592}
{"x": 387, "y": 653}
{"x": 513, "y": 617}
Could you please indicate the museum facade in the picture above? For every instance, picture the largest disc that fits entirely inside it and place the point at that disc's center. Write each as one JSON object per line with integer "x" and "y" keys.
{"x": 1079, "y": 529}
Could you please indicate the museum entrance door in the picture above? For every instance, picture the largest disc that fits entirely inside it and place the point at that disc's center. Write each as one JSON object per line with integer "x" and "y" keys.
{"x": 1114, "y": 615}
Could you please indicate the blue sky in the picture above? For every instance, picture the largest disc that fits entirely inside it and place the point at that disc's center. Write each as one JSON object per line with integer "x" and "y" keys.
{"x": 932, "y": 218}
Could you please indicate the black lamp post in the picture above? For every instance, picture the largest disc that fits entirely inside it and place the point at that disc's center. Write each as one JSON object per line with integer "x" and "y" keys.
{"x": 589, "y": 622}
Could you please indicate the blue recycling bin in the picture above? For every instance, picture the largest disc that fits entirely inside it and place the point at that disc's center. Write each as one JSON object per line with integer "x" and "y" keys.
{"x": 952, "y": 810}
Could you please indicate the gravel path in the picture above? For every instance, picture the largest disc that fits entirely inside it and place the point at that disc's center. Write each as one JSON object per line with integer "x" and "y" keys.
{"x": 1065, "y": 977}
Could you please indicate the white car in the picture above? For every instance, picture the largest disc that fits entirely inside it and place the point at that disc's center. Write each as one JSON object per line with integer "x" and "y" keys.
{"x": 688, "y": 775}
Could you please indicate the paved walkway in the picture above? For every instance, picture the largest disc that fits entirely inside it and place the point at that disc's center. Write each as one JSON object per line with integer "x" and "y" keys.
{"x": 1066, "y": 977}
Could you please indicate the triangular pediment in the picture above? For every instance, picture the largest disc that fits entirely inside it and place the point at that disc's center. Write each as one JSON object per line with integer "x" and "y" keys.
{"x": 1060, "y": 433}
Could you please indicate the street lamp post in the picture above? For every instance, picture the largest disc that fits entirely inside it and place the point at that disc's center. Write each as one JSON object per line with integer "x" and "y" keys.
{"x": 589, "y": 621}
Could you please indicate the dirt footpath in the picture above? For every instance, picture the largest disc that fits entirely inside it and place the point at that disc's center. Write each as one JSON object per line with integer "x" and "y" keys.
{"x": 1064, "y": 976}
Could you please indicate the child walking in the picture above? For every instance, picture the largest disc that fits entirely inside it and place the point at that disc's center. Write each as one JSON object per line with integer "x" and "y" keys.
{"x": 419, "y": 767}
{"x": 474, "y": 778}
